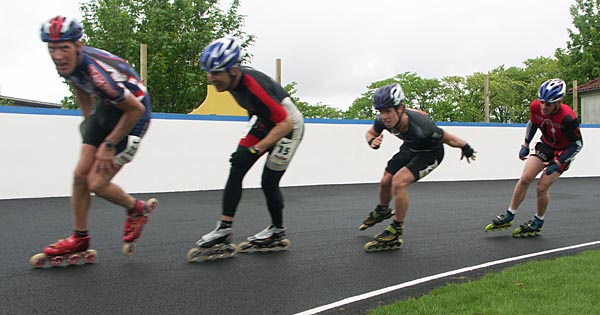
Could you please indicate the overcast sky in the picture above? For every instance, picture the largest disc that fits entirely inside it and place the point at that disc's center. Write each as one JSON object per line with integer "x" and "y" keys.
{"x": 333, "y": 49}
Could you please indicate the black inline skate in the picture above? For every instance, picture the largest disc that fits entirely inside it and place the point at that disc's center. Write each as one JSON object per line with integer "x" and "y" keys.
{"x": 388, "y": 239}
{"x": 268, "y": 240}
{"x": 501, "y": 222}
{"x": 379, "y": 214}
{"x": 530, "y": 228}
{"x": 214, "y": 245}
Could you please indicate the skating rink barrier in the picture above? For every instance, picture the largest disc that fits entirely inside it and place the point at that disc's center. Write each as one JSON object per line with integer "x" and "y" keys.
{"x": 40, "y": 148}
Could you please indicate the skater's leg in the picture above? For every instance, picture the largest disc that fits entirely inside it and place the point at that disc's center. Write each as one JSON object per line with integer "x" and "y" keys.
{"x": 533, "y": 166}
{"x": 400, "y": 182}
{"x": 233, "y": 189}
{"x": 99, "y": 182}
{"x": 543, "y": 192}
{"x": 80, "y": 195}
{"x": 385, "y": 189}
{"x": 270, "y": 186}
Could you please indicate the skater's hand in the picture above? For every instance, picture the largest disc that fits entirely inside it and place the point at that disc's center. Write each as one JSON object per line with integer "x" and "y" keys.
{"x": 552, "y": 167}
{"x": 106, "y": 160}
{"x": 468, "y": 152}
{"x": 375, "y": 142}
{"x": 523, "y": 153}
{"x": 243, "y": 158}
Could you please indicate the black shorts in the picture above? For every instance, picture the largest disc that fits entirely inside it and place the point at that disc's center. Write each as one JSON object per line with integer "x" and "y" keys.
{"x": 419, "y": 163}
{"x": 102, "y": 122}
{"x": 547, "y": 154}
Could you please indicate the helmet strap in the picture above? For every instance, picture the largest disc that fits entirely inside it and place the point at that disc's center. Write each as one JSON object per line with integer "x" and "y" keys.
{"x": 399, "y": 118}
{"x": 233, "y": 77}
{"x": 556, "y": 109}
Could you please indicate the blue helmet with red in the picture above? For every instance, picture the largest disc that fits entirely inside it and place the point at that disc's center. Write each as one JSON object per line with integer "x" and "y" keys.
{"x": 552, "y": 90}
{"x": 221, "y": 55}
{"x": 60, "y": 29}
{"x": 388, "y": 96}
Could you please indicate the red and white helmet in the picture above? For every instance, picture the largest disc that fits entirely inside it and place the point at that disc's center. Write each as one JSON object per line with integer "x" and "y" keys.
{"x": 60, "y": 29}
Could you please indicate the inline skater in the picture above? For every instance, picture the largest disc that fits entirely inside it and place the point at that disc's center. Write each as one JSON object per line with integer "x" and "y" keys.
{"x": 111, "y": 133}
{"x": 560, "y": 142}
{"x": 277, "y": 129}
{"x": 422, "y": 151}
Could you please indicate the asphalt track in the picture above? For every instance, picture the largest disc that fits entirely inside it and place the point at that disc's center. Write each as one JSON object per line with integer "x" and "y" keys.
{"x": 325, "y": 264}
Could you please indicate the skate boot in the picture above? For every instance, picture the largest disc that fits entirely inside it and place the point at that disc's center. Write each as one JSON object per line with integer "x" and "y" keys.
{"x": 268, "y": 240}
{"x": 214, "y": 245}
{"x": 501, "y": 222}
{"x": 379, "y": 214}
{"x": 135, "y": 223}
{"x": 388, "y": 239}
{"x": 530, "y": 228}
{"x": 72, "y": 250}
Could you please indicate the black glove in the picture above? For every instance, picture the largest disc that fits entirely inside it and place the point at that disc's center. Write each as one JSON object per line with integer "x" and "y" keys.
{"x": 467, "y": 151}
{"x": 523, "y": 153}
{"x": 371, "y": 140}
{"x": 551, "y": 168}
{"x": 243, "y": 158}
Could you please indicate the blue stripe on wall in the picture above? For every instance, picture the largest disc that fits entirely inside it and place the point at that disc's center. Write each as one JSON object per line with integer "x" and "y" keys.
{"x": 75, "y": 112}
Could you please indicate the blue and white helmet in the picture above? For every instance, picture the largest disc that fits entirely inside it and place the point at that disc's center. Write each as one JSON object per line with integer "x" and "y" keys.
{"x": 60, "y": 29}
{"x": 388, "y": 96}
{"x": 552, "y": 90}
{"x": 221, "y": 55}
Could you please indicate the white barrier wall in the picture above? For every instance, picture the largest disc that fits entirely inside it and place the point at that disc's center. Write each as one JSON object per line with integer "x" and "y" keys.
{"x": 190, "y": 152}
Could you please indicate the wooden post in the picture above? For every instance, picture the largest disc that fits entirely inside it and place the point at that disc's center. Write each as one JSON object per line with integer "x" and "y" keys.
{"x": 278, "y": 70}
{"x": 143, "y": 63}
{"x": 486, "y": 94}
{"x": 575, "y": 97}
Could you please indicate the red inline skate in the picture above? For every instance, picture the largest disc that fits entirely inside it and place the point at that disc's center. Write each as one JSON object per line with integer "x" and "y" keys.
{"x": 135, "y": 223}
{"x": 72, "y": 250}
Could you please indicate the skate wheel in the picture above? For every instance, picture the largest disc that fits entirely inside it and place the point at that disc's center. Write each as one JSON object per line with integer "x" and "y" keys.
{"x": 370, "y": 246}
{"x": 192, "y": 255}
{"x": 232, "y": 249}
{"x": 152, "y": 204}
{"x": 127, "y": 249}
{"x": 244, "y": 247}
{"x": 227, "y": 251}
{"x": 90, "y": 256}
{"x": 286, "y": 243}
{"x": 281, "y": 245}
{"x": 57, "y": 260}
{"x": 489, "y": 227}
{"x": 73, "y": 259}
{"x": 38, "y": 260}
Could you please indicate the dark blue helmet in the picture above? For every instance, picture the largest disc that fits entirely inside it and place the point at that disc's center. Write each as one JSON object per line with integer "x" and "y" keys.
{"x": 552, "y": 90}
{"x": 221, "y": 55}
{"x": 388, "y": 96}
{"x": 60, "y": 29}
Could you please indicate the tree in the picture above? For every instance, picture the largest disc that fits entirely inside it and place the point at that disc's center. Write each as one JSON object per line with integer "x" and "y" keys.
{"x": 312, "y": 111}
{"x": 580, "y": 60}
{"x": 6, "y": 102}
{"x": 429, "y": 95}
{"x": 175, "y": 33}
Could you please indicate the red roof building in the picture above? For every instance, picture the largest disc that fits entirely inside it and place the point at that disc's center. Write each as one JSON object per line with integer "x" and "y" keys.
{"x": 589, "y": 94}
{"x": 589, "y": 86}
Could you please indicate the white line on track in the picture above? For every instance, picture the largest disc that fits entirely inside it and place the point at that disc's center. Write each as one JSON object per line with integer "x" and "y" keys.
{"x": 438, "y": 276}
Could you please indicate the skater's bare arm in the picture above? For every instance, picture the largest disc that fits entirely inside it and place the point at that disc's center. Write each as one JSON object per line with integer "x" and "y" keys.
{"x": 280, "y": 130}
{"x": 374, "y": 138}
{"x": 456, "y": 142}
{"x": 85, "y": 101}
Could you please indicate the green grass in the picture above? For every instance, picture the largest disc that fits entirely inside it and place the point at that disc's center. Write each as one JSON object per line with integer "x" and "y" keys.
{"x": 565, "y": 285}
